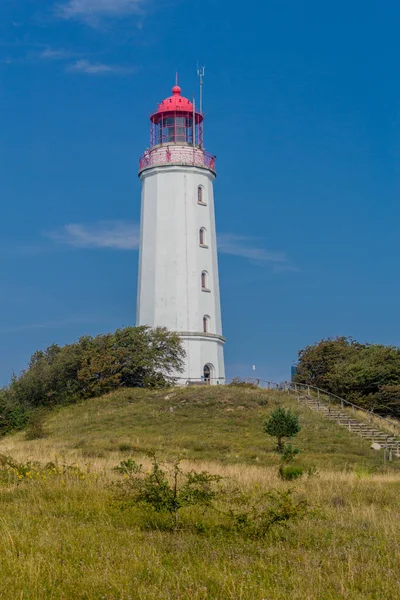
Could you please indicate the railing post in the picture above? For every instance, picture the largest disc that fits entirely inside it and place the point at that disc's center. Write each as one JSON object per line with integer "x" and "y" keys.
{"x": 341, "y": 404}
{"x": 295, "y": 387}
{"x": 318, "y": 392}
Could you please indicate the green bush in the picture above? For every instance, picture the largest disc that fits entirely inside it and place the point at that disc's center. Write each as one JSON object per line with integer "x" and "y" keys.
{"x": 125, "y": 447}
{"x": 35, "y": 428}
{"x": 13, "y": 414}
{"x": 163, "y": 494}
{"x": 289, "y": 453}
{"x": 128, "y": 467}
{"x": 258, "y": 515}
{"x": 290, "y": 472}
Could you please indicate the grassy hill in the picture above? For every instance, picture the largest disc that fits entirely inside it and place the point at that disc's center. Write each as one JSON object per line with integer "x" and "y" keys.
{"x": 65, "y": 533}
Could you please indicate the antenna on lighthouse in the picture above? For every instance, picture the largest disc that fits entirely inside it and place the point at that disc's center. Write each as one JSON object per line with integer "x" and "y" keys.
{"x": 200, "y": 74}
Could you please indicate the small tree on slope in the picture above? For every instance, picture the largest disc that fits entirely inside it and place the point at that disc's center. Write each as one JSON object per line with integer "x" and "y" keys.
{"x": 282, "y": 424}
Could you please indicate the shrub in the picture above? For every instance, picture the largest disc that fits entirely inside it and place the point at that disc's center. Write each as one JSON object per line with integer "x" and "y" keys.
{"x": 289, "y": 453}
{"x": 125, "y": 447}
{"x": 290, "y": 472}
{"x": 13, "y": 415}
{"x": 260, "y": 514}
{"x": 128, "y": 467}
{"x": 281, "y": 424}
{"x": 35, "y": 428}
{"x": 163, "y": 495}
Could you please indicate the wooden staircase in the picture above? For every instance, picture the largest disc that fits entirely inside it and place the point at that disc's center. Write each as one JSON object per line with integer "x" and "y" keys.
{"x": 382, "y": 433}
{"x": 390, "y": 443}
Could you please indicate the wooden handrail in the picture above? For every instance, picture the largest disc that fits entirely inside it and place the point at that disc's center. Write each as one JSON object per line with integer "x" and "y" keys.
{"x": 342, "y": 401}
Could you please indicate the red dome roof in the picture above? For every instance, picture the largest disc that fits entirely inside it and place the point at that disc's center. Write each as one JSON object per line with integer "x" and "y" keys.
{"x": 175, "y": 103}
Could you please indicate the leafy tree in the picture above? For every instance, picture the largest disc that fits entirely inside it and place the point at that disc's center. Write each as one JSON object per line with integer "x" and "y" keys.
{"x": 51, "y": 377}
{"x": 366, "y": 374}
{"x": 282, "y": 424}
{"x": 133, "y": 356}
{"x": 130, "y": 357}
{"x": 317, "y": 362}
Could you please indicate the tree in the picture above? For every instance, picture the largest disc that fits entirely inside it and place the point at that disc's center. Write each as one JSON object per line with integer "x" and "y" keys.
{"x": 132, "y": 356}
{"x": 365, "y": 374}
{"x": 282, "y": 424}
{"x": 317, "y": 362}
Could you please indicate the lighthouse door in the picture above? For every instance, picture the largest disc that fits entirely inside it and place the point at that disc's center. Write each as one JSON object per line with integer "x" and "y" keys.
{"x": 207, "y": 373}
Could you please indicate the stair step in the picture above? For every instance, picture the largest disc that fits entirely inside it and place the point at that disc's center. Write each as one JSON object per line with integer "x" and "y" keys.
{"x": 361, "y": 428}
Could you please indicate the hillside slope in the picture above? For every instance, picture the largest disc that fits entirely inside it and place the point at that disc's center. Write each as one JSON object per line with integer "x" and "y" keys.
{"x": 198, "y": 423}
{"x": 66, "y": 534}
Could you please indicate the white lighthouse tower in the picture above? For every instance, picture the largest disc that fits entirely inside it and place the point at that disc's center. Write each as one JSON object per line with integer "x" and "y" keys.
{"x": 178, "y": 267}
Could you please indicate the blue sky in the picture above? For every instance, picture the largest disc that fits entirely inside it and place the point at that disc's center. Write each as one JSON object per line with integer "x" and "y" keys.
{"x": 302, "y": 111}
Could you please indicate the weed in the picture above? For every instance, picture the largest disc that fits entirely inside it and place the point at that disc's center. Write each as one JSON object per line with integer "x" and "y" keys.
{"x": 242, "y": 383}
{"x": 290, "y": 472}
{"x": 312, "y": 471}
{"x": 125, "y": 447}
{"x": 128, "y": 467}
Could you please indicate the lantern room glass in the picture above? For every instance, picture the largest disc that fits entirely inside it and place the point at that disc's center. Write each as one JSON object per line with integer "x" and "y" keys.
{"x": 177, "y": 129}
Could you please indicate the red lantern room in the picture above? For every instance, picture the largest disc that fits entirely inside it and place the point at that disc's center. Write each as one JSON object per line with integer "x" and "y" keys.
{"x": 176, "y": 122}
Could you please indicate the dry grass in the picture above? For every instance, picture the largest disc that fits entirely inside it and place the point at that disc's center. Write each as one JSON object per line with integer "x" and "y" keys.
{"x": 67, "y": 537}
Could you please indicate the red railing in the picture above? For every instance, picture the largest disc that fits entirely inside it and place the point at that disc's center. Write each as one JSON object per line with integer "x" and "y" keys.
{"x": 170, "y": 155}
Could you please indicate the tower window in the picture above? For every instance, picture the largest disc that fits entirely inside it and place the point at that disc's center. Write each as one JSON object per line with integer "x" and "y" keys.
{"x": 200, "y": 195}
{"x": 206, "y": 324}
{"x": 202, "y": 237}
{"x": 204, "y": 281}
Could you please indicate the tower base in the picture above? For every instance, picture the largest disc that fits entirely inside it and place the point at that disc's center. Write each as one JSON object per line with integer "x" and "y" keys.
{"x": 204, "y": 361}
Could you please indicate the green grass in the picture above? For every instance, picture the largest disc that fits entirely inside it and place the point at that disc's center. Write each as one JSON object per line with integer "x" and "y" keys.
{"x": 223, "y": 424}
{"x": 68, "y": 537}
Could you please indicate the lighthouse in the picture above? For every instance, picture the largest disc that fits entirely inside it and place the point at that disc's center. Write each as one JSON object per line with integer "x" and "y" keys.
{"x": 178, "y": 285}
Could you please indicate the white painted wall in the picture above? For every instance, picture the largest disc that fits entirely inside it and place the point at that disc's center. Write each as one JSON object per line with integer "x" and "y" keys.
{"x": 171, "y": 261}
